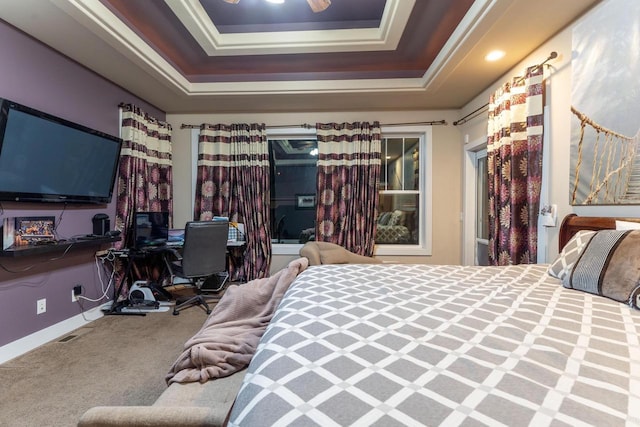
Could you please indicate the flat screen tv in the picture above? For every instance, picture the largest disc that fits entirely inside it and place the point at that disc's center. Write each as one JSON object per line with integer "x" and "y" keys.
{"x": 44, "y": 158}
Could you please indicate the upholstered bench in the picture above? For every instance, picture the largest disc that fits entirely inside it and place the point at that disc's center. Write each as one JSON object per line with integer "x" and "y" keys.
{"x": 190, "y": 404}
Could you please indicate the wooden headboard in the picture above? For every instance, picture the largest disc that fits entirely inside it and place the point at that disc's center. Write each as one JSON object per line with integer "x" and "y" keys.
{"x": 573, "y": 223}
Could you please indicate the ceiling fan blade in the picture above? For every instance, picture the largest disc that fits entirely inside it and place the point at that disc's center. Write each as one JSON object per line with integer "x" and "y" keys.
{"x": 318, "y": 5}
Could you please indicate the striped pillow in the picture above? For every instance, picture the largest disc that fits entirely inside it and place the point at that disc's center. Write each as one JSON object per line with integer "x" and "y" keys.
{"x": 609, "y": 266}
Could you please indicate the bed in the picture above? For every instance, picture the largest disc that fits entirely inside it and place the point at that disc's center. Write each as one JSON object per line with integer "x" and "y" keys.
{"x": 403, "y": 345}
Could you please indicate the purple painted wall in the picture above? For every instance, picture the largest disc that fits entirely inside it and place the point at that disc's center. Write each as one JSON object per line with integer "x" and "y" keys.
{"x": 34, "y": 75}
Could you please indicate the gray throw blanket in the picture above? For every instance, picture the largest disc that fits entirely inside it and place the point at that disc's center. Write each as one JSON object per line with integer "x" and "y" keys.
{"x": 229, "y": 337}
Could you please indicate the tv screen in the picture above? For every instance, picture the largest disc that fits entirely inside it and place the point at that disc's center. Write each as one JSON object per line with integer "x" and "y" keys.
{"x": 150, "y": 229}
{"x": 46, "y": 158}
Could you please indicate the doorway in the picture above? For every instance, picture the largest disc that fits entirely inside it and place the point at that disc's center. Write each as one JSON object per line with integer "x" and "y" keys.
{"x": 476, "y": 204}
{"x": 482, "y": 209}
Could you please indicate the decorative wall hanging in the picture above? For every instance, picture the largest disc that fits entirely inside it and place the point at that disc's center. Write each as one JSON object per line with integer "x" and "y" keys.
{"x": 605, "y": 106}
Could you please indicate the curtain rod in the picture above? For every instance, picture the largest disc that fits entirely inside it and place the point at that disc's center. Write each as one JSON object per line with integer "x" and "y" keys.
{"x": 431, "y": 123}
{"x": 473, "y": 114}
{"x": 468, "y": 117}
{"x": 551, "y": 56}
{"x": 308, "y": 126}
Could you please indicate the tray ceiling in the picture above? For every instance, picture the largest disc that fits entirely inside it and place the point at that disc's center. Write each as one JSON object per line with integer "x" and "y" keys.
{"x": 214, "y": 56}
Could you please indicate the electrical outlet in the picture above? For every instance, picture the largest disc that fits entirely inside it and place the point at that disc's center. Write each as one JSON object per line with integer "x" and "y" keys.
{"x": 41, "y": 306}
{"x": 77, "y": 290}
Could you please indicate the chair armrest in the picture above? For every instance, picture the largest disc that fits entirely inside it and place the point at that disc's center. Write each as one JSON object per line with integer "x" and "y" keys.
{"x": 159, "y": 416}
{"x": 176, "y": 253}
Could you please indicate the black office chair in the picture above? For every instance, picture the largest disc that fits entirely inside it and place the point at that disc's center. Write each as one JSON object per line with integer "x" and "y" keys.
{"x": 202, "y": 261}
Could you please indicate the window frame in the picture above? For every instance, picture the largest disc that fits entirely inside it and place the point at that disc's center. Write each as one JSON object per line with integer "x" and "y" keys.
{"x": 424, "y": 246}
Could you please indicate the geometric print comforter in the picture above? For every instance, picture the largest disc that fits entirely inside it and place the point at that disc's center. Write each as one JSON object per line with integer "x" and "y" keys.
{"x": 418, "y": 345}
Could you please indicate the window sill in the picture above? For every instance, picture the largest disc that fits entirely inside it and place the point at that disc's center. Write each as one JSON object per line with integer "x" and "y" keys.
{"x": 286, "y": 248}
{"x": 404, "y": 250}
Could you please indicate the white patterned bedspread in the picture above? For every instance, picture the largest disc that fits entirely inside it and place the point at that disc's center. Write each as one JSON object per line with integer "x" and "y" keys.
{"x": 414, "y": 345}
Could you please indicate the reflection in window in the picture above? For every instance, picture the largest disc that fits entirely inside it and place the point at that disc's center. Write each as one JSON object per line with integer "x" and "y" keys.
{"x": 293, "y": 164}
{"x": 398, "y": 218}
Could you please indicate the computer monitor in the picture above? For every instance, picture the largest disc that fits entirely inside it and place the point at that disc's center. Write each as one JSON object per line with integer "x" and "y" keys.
{"x": 176, "y": 237}
{"x": 150, "y": 229}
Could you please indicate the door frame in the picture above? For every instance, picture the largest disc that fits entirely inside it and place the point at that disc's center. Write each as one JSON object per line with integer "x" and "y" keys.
{"x": 469, "y": 199}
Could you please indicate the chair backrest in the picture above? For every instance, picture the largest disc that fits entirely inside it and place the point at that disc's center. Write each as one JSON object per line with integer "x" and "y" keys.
{"x": 205, "y": 247}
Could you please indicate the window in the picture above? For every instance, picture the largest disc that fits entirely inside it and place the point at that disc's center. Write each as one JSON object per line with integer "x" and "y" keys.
{"x": 405, "y": 190}
{"x": 399, "y": 203}
{"x": 404, "y": 219}
{"x": 293, "y": 161}
{"x": 405, "y": 186}
{"x": 293, "y": 156}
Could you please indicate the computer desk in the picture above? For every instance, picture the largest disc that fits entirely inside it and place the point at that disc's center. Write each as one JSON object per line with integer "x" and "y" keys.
{"x": 235, "y": 254}
{"x": 128, "y": 258}
{"x": 150, "y": 264}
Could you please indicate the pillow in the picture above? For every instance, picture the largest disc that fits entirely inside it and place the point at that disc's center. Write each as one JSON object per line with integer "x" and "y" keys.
{"x": 383, "y": 219}
{"x": 627, "y": 225}
{"x": 609, "y": 266}
{"x": 563, "y": 264}
{"x": 396, "y": 218}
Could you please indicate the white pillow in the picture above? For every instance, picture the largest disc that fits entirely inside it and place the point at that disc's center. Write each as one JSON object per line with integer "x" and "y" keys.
{"x": 627, "y": 225}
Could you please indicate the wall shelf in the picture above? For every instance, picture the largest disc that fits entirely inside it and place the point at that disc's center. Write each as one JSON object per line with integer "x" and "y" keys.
{"x": 59, "y": 246}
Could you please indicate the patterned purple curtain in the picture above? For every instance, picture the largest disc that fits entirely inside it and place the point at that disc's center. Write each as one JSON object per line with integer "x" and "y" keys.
{"x": 145, "y": 170}
{"x": 233, "y": 180}
{"x": 514, "y": 158}
{"x": 347, "y": 184}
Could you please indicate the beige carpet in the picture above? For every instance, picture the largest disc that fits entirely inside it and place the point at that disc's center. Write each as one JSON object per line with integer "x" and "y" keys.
{"x": 116, "y": 360}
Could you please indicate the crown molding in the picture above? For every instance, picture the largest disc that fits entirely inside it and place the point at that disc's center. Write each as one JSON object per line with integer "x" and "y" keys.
{"x": 386, "y": 37}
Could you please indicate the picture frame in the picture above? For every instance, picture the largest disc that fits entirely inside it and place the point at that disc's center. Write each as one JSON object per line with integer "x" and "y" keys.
{"x": 305, "y": 201}
{"x": 33, "y": 229}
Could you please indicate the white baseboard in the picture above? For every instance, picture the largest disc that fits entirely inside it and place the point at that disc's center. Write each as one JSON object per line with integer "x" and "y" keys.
{"x": 30, "y": 342}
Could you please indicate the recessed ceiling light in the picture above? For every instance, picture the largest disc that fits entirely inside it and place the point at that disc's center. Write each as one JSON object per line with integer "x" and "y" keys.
{"x": 494, "y": 55}
{"x": 276, "y": 1}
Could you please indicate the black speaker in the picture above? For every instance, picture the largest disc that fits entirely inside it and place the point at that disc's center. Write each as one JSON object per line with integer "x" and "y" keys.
{"x": 101, "y": 224}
